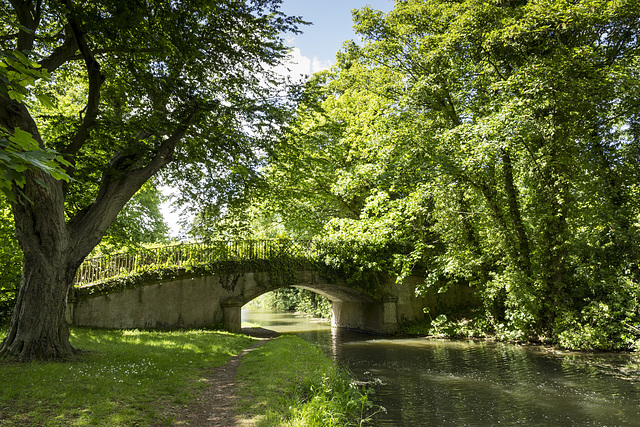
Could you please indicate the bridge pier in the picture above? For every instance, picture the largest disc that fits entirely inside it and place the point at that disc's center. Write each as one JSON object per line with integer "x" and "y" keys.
{"x": 372, "y": 316}
{"x": 232, "y": 315}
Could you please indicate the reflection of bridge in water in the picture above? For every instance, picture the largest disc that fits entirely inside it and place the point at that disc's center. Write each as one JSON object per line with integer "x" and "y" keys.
{"x": 206, "y": 284}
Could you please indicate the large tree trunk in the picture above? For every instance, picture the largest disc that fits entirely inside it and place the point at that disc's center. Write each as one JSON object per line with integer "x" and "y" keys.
{"x": 38, "y": 328}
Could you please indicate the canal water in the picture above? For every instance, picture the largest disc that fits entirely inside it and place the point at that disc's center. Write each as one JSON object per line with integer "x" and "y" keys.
{"x": 433, "y": 382}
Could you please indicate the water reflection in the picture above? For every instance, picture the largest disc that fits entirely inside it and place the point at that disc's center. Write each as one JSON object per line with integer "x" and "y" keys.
{"x": 441, "y": 382}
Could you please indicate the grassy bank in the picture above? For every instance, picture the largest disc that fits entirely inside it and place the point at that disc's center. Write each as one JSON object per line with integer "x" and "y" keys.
{"x": 143, "y": 378}
{"x": 288, "y": 382}
{"x": 124, "y": 378}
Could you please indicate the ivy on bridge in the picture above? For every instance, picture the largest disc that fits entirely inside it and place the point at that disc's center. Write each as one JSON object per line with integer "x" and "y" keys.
{"x": 194, "y": 256}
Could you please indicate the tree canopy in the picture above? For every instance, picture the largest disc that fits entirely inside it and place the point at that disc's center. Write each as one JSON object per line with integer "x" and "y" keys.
{"x": 122, "y": 91}
{"x": 489, "y": 143}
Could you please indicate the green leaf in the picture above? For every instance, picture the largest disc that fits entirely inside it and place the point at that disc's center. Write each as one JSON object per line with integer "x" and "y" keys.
{"x": 23, "y": 59}
{"x": 45, "y": 100}
{"x": 23, "y": 140}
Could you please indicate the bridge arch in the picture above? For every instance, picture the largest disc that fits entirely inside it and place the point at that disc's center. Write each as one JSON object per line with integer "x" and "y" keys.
{"x": 334, "y": 290}
{"x": 206, "y": 284}
{"x": 217, "y": 300}
{"x": 351, "y": 307}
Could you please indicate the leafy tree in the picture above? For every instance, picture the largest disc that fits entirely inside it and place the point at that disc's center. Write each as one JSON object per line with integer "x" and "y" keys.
{"x": 10, "y": 262}
{"x": 499, "y": 141}
{"x": 295, "y": 299}
{"x": 182, "y": 87}
{"x": 522, "y": 112}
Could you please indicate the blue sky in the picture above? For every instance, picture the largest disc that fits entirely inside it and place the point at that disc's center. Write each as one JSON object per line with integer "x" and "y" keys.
{"x": 332, "y": 25}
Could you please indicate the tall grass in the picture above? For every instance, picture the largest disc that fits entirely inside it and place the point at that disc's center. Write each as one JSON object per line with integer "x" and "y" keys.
{"x": 289, "y": 382}
{"x": 123, "y": 378}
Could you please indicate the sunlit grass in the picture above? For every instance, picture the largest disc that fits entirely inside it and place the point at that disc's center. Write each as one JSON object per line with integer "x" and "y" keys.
{"x": 122, "y": 378}
{"x": 290, "y": 382}
{"x": 250, "y": 325}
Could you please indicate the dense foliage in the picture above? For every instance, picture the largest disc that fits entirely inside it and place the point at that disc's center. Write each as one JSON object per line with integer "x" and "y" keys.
{"x": 295, "y": 299}
{"x": 493, "y": 143}
{"x": 10, "y": 262}
{"x": 99, "y": 97}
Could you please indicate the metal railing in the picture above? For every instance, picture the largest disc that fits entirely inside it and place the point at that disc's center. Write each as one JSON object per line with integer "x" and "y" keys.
{"x": 188, "y": 255}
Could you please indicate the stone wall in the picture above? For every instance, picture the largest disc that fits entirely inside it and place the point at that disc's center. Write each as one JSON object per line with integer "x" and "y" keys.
{"x": 411, "y": 307}
{"x": 185, "y": 303}
{"x": 217, "y": 300}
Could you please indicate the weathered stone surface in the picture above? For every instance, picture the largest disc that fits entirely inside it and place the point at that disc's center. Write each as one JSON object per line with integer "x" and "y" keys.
{"x": 217, "y": 300}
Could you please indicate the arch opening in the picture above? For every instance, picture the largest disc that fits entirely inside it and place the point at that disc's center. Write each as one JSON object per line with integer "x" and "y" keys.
{"x": 294, "y": 299}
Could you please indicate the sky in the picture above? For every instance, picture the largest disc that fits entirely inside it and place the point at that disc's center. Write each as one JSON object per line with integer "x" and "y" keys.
{"x": 332, "y": 25}
{"x": 313, "y": 50}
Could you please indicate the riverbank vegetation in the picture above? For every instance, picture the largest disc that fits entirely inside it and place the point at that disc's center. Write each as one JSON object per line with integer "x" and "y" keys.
{"x": 132, "y": 377}
{"x": 295, "y": 299}
{"x": 303, "y": 388}
{"x": 492, "y": 144}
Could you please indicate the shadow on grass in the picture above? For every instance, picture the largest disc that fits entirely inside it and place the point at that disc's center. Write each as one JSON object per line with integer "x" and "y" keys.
{"x": 122, "y": 377}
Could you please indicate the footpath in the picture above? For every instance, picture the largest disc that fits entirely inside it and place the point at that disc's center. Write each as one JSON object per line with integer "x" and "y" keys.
{"x": 216, "y": 405}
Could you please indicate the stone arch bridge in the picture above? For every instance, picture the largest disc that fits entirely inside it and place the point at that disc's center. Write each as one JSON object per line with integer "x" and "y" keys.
{"x": 204, "y": 285}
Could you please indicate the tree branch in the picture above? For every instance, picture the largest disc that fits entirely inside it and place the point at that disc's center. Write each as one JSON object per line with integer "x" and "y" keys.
{"x": 95, "y": 81}
{"x": 67, "y": 52}
{"x": 28, "y": 18}
{"x": 60, "y": 55}
{"x": 89, "y": 225}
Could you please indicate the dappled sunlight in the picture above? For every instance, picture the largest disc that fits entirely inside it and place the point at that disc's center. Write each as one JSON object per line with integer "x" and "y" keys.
{"x": 120, "y": 373}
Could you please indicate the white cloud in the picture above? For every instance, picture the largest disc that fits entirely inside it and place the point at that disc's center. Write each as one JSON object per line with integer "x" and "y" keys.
{"x": 318, "y": 65}
{"x": 298, "y": 66}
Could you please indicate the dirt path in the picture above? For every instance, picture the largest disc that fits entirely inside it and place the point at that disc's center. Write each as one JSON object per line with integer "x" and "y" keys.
{"x": 216, "y": 405}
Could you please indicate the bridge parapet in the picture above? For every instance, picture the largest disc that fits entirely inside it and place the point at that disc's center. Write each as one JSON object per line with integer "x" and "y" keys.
{"x": 187, "y": 256}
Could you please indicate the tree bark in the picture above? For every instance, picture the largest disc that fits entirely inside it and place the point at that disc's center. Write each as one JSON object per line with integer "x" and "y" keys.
{"x": 38, "y": 328}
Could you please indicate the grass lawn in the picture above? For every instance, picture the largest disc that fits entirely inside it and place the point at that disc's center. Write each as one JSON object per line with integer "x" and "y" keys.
{"x": 124, "y": 378}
